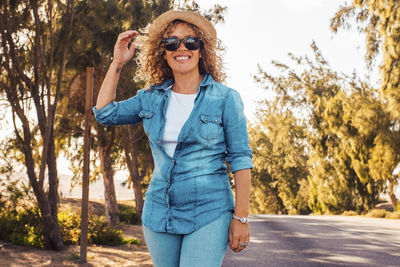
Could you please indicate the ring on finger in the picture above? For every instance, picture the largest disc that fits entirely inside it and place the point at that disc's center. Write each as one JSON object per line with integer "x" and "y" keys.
{"x": 244, "y": 244}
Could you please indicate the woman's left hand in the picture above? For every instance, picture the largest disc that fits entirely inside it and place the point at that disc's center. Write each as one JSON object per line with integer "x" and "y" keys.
{"x": 239, "y": 235}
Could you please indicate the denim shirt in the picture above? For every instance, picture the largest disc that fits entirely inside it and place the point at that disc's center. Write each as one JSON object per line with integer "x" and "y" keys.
{"x": 191, "y": 189}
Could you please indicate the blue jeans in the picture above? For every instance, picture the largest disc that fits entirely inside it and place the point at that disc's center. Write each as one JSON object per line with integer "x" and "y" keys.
{"x": 205, "y": 247}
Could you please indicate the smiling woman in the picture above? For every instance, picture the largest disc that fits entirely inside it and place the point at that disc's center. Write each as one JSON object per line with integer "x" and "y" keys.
{"x": 152, "y": 65}
{"x": 182, "y": 59}
{"x": 194, "y": 125}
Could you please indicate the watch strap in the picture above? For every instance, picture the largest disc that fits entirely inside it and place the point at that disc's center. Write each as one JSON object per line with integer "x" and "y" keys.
{"x": 241, "y": 219}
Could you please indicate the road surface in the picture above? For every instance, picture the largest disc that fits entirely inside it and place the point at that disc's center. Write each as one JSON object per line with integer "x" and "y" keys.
{"x": 279, "y": 240}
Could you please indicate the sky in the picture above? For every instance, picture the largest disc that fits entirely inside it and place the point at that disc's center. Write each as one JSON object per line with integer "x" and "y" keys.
{"x": 255, "y": 32}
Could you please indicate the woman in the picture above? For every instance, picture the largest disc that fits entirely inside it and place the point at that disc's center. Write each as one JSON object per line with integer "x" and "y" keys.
{"x": 194, "y": 124}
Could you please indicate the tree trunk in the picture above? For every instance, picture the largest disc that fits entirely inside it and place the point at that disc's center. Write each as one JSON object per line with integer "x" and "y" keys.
{"x": 282, "y": 209}
{"x": 50, "y": 228}
{"x": 139, "y": 202}
{"x": 130, "y": 140}
{"x": 53, "y": 179}
{"x": 392, "y": 196}
{"x": 135, "y": 179}
{"x": 108, "y": 179}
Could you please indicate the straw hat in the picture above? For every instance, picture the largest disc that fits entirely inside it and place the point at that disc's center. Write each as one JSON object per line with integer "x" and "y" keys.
{"x": 159, "y": 25}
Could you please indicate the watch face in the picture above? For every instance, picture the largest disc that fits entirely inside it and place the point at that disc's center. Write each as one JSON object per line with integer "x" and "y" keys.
{"x": 243, "y": 220}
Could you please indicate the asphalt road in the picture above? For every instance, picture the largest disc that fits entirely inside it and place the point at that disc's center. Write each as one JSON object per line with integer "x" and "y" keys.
{"x": 319, "y": 241}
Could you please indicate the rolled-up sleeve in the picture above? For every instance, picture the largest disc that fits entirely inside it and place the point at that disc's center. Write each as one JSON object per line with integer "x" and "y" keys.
{"x": 119, "y": 113}
{"x": 238, "y": 151}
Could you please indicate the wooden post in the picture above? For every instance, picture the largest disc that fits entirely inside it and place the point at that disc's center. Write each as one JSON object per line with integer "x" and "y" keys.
{"x": 86, "y": 162}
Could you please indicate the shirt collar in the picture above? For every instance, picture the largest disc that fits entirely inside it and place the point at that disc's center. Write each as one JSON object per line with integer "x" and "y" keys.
{"x": 207, "y": 80}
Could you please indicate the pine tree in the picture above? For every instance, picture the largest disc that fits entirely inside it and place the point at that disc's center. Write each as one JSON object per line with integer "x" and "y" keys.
{"x": 342, "y": 128}
{"x": 379, "y": 20}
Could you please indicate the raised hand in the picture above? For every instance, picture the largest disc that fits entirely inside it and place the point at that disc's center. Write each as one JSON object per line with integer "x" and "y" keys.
{"x": 122, "y": 54}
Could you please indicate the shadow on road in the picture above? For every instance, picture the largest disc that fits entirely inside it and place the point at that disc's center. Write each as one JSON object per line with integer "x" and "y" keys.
{"x": 319, "y": 241}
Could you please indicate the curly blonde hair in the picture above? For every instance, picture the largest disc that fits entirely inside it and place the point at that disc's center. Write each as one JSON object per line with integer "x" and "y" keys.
{"x": 154, "y": 69}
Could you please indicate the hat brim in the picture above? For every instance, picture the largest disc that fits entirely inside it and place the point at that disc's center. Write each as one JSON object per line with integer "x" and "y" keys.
{"x": 159, "y": 25}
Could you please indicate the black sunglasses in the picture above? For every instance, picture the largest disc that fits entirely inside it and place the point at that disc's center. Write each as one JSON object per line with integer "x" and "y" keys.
{"x": 173, "y": 43}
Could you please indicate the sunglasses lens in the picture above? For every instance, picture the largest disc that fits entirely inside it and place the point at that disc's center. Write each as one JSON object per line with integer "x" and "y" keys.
{"x": 193, "y": 43}
{"x": 171, "y": 44}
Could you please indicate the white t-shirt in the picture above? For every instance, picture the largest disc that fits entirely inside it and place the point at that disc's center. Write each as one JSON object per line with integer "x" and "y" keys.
{"x": 178, "y": 111}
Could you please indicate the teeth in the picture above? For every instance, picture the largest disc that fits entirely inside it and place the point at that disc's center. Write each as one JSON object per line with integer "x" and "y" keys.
{"x": 182, "y": 58}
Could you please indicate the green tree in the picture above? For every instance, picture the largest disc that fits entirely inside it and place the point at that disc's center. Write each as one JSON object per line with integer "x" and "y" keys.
{"x": 379, "y": 20}
{"x": 280, "y": 161}
{"x": 345, "y": 129}
{"x": 35, "y": 39}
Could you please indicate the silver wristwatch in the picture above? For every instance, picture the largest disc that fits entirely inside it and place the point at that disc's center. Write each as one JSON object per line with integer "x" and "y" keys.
{"x": 241, "y": 219}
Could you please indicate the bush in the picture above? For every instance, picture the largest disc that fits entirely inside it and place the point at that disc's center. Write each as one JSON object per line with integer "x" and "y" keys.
{"x": 70, "y": 226}
{"x": 127, "y": 214}
{"x": 132, "y": 241}
{"x": 21, "y": 227}
{"x": 100, "y": 233}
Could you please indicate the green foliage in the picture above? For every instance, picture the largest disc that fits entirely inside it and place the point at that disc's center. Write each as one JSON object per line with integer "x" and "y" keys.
{"x": 215, "y": 14}
{"x": 21, "y": 227}
{"x": 100, "y": 233}
{"x": 279, "y": 164}
{"x": 131, "y": 241}
{"x": 70, "y": 227}
{"x": 127, "y": 214}
{"x": 19, "y": 220}
{"x": 329, "y": 128}
{"x": 262, "y": 199}
{"x": 379, "y": 21}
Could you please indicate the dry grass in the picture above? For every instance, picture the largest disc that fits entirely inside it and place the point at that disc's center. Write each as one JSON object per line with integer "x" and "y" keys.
{"x": 383, "y": 210}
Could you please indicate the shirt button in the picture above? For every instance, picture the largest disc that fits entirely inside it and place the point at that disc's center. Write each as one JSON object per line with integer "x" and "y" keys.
{"x": 158, "y": 142}
{"x": 173, "y": 160}
{"x": 169, "y": 185}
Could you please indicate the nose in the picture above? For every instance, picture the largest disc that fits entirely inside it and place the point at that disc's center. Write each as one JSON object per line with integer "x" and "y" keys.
{"x": 182, "y": 46}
